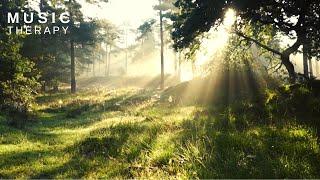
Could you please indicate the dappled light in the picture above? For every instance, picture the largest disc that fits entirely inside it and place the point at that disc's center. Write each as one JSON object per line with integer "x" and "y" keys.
{"x": 230, "y": 78}
{"x": 159, "y": 89}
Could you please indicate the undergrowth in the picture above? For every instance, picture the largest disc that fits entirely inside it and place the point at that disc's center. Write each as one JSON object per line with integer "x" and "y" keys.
{"x": 132, "y": 133}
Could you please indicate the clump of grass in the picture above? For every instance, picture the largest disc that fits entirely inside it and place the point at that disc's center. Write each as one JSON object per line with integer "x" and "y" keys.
{"x": 131, "y": 133}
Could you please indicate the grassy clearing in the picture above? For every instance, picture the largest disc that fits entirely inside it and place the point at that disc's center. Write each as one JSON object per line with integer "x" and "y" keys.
{"x": 131, "y": 133}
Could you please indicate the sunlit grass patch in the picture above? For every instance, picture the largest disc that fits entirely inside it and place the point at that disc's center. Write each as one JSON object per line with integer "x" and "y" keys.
{"x": 133, "y": 133}
{"x": 260, "y": 152}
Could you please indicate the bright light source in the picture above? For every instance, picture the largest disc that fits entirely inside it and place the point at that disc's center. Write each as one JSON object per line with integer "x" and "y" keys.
{"x": 230, "y": 18}
{"x": 217, "y": 39}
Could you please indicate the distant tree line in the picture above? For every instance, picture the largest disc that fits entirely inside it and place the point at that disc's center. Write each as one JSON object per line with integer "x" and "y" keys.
{"x": 31, "y": 63}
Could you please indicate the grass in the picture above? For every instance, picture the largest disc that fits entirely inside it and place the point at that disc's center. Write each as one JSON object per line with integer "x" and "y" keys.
{"x": 131, "y": 133}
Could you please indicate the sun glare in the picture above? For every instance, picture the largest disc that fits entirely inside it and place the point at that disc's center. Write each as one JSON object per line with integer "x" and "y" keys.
{"x": 186, "y": 72}
{"x": 216, "y": 39}
{"x": 229, "y": 18}
{"x": 111, "y": 11}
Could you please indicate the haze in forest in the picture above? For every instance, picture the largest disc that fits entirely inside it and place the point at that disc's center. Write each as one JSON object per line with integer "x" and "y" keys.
{"x": 161, "y": 89}
{"x": 134, "y": 13}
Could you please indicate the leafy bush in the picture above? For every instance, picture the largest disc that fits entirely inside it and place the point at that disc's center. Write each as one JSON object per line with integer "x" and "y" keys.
{"x": 298, "y": 101}
{"x": 18, "y": 80}
{"x": 292, "y": 100}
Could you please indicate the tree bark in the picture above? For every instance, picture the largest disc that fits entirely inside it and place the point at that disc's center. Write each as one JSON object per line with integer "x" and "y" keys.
{"x": 311, "y": 68}
{"x": 126, "y": 60}
{"x": 107, "y": 63}
{"x": 284, "y": 56}
{"x": 94, "y": 65}
{"x": 41, "y": 5}
{"x": 285, "y": 59}
{"x": 179, "y": 65}
{"x": 72, "y": 56}
{"x": 162, "y": 49}
{"x": 305, "y": 60}
{"x": 73, "y": 68}
{"x": 317, "y": 68}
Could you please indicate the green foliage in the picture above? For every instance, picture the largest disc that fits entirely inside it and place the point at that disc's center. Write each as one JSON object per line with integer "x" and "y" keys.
{"x": 146, "y": 28}
{"x": 293, "y": 99}
{"x": 51, "y": 53}
{"x": 147, "y": 138}
{"x": 18, "y": 79}
{"x": 196, "y": 17}
{"x": 294, "y": 19}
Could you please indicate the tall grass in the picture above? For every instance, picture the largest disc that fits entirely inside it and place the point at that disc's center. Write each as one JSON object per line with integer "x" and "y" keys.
{"x": 132, "y": 133}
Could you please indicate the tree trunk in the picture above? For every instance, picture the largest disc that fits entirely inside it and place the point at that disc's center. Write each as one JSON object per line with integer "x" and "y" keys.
{"x": 305, "y": 60}
{"x": 126, "y": 60}
{"x": 317, "y": 68}
{"x": 285, "y": 58}
{"x": 107, "y": 63}
{"x": 290, "y": 67}
{"x": 311, "y": 68}
{"x": 179, "y": 66}
{"x": 73, "y": 68}
{"x": 41, "y": 5}
{"x": 285, "y": 55}
{"x": 161, "y": 53}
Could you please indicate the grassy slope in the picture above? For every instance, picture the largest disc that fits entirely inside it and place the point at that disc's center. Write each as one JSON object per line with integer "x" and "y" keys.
{"x": 130, "y": 133}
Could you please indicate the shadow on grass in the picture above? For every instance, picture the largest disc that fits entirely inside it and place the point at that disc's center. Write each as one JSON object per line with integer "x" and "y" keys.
{"x": 108, "y": 150}
{"x": 13, "y": 136}
{"x": 19, "y": 163}
{"x": 80, "y": 113}
{"x": 212, "y": 147}
{"x": 231, "y": 140}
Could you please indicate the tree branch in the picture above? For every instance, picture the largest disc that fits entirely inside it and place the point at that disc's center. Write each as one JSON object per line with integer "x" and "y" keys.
{"x": 277, "y": 69}
{"x": 294, "y": 47}
{"x": 258, "y": 43}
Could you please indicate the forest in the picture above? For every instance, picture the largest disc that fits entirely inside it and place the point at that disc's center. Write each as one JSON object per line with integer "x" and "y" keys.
{"x": 159, "y": 89}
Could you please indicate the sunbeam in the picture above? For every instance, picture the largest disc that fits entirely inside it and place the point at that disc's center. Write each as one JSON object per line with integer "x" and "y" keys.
{"x": 216, "y": 39}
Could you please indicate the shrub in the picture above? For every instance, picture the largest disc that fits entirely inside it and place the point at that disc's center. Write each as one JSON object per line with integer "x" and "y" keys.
{"x": 297, "y": 101}
{"x": 18, "y": 80}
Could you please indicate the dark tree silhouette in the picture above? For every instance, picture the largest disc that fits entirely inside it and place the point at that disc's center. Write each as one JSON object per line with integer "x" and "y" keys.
{"x": 297, "y": 19}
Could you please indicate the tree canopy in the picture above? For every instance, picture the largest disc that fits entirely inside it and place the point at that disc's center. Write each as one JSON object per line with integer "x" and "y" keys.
{"x": 296, "y": 19}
